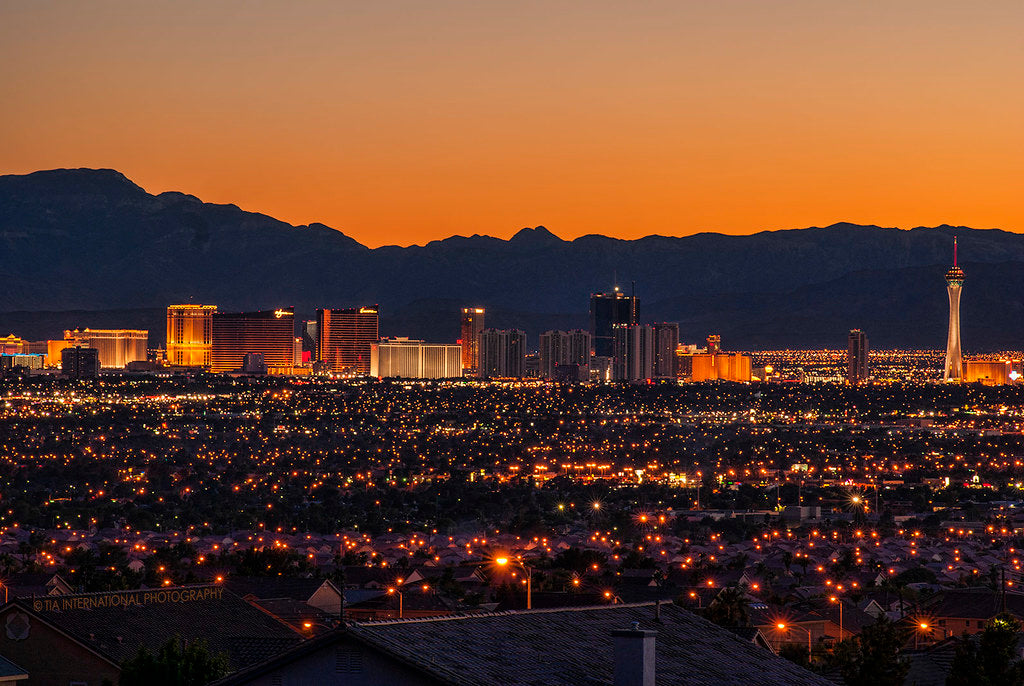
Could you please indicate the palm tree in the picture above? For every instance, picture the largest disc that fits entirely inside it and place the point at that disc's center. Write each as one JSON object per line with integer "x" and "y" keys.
{"x": 729, "y": 608}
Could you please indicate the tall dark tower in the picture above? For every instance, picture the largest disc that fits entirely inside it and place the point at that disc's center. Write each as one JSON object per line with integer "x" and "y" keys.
{"x": 954, "y": 360}
{"x": 606, "y": 311}
{"x": 857, "y": 357}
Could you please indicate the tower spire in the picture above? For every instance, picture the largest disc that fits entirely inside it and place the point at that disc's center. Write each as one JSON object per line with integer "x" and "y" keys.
{"x": 954, "y": 251}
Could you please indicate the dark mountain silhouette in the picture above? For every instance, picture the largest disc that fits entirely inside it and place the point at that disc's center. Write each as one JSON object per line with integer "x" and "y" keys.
{"x": 82, "y": 246}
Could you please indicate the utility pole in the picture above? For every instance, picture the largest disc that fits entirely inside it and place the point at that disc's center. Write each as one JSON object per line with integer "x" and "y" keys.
{"x": 1002, "y": 575}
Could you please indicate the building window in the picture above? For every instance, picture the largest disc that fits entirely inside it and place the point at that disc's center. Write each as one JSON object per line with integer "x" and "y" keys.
{"x": 348, "y": 661}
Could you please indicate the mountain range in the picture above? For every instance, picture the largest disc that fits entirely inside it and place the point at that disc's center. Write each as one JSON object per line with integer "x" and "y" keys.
{"x": 88, "y": 247}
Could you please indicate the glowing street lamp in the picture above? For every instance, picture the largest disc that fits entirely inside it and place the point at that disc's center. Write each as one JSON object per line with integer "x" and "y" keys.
{"x": 392, "y": 591}
{"x": 504, "y": 562}
{"x": 782, "y": 626}
{"x": 835, "y": 599}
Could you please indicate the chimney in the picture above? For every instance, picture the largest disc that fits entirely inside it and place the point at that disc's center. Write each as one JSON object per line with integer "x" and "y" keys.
{"x": 634, "y": 656}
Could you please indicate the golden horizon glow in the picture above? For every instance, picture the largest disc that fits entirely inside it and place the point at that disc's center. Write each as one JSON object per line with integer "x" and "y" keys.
{"x": 403, "y": 122}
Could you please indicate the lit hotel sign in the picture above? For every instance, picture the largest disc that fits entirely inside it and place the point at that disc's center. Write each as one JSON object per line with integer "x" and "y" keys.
{"x": 367, "y": 310}
{"x": 128, "y": 599}
{"x": 282, "y": 313}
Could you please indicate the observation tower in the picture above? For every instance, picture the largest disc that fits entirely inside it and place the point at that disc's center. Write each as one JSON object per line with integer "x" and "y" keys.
{"x": 954, "y": 360}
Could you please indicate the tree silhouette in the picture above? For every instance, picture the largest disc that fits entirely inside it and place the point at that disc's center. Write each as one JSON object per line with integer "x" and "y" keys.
{"x": 873, "y": 657}
{"x": 176, "y": 663}
{"x": 988, "y": 659}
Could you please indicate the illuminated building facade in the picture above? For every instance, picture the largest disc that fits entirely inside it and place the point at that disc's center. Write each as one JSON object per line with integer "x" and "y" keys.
{"x": 565, "y": 350}
{"x": 666, "y": 341}
{"x": 412, "y": 359}
{"x": 344, "y": 338}
{"x": 719, "y": 367}
{"x": 954, "y": 359}
{"x": 471, "y": 324}
{"x": 502, "y": 353}
{"x": 23, "y": 360}
{"x": 117, "y": 347}
{"x": 857, "y": 357}
{"x": 608, "y": 310}
{"x": 633, "y": 352}
{"x": 987, "y": 372}
{"x": 12, "y": 345}
{"x": 190, "y": 335}
{"x": 267, "y": 332}
{"x": 53, "y": 351}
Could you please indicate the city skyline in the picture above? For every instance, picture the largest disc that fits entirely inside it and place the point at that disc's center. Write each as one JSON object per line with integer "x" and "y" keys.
{"x": 473, "y": 343}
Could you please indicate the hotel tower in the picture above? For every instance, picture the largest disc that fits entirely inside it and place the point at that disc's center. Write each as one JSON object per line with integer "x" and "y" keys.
{"x": 954, "y": 361}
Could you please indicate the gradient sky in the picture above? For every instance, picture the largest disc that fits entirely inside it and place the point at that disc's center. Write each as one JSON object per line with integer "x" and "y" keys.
{"x": 404, "y": 122}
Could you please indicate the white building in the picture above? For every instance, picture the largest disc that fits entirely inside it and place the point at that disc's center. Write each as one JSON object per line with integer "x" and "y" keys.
{"x": 412, "y": 359}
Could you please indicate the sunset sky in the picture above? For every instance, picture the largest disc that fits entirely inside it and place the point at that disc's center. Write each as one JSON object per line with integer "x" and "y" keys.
{"x": 405, "y": 122}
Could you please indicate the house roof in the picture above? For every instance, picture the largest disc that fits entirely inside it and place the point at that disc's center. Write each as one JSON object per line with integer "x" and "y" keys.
{"x": 274, "y": 586}
{"x": 975, "y": 603}
{"x": 572, "y": 646}
{"x": 109, "y": 625}
{"x": 10, "y": 671}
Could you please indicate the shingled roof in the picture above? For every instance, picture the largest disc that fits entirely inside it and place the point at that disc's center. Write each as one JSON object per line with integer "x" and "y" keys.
{"x": 274, "y": 586}
{"x": 975, "y": 603}
{"x": 573, "y": 646}
{"x": 115, "y": 627}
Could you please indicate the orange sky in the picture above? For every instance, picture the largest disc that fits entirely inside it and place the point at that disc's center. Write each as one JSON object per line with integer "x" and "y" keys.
{"x": 400, "y": 123}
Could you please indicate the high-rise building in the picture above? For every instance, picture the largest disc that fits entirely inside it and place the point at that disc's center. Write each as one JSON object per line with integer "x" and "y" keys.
{"x": 607, "y": 310}
{"x": 568, "y": 350}
{"x": 666, "y": 341}
{"x": 190, "y": 335}
{"x": 714, "y": 344}
{"x": 502, "y": 353}
{"x": 954, "y": 360}
{"x": 471, "y": 324}
{"x": 633, "y": 352}
{"x": 857, "y": 357}
{"x": 344, "y": 338}
{"x": 80, "y": 363}
{"x": 117, "y": 347}
{"x": 411, "y": 359}
{"x": 270, "y": 333}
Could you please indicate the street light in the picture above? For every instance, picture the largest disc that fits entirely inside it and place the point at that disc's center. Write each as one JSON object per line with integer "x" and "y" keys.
{"x": 504, "y": 562}
{"x": 834, "y": 599}
{"x": 926, "y": 628}
{"x": 783, "y": 627}
{"x": 400, "y": 599}
{"x": 612, "y": 597}
{"x": 308, "y": 625}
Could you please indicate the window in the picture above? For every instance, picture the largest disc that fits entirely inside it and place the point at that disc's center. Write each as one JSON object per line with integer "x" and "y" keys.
{"x": 348, "y": 661}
